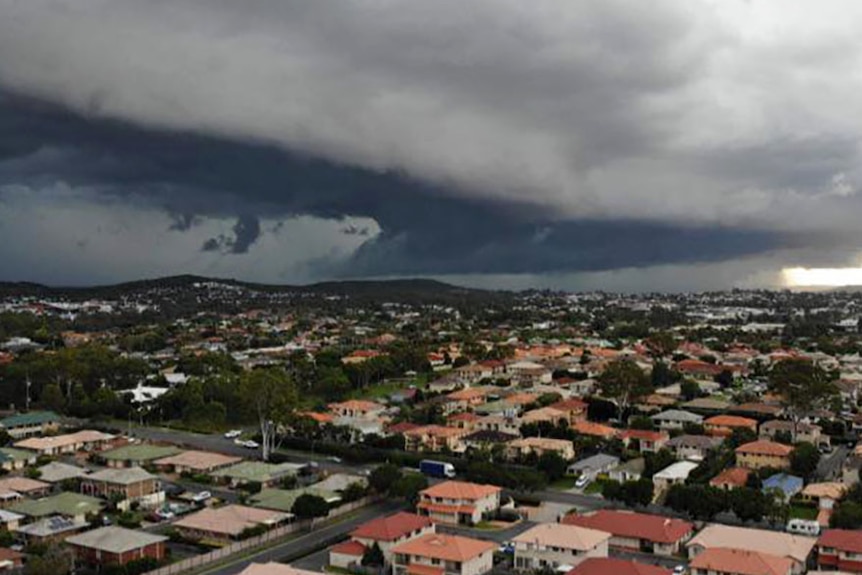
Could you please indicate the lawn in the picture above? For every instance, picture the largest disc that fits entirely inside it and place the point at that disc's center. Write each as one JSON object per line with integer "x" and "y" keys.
{"x": 564, "y": 483}
{"x": 803, "y": 512}
{"x": 595, "y": 488}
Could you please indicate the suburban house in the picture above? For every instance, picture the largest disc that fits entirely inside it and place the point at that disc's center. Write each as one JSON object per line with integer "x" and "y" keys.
{"x": 639, "y": 532}
{"x": 676, "y": 419}
{"x": 114, "y": 546}
{"x": 840, "y": 550}
{"x": 723, "y": 425}
{"x": 739, "y": 562}
{"x": 356, "y": 409}
{"x": 500, "y": 423}
{"x": 825, "y": 494}
{"x": 439, "y": 554}
{"x": 558, "y": 546}
{"x": 673, "y": 474}
{"x": 226, "y": 523}
{"x": 48, "y": 530}
{"x": 86, "y": 440}
{"x": 457, "y": 502}
{"x": 783, "y": 484}
{"x": 761, "y": 453}
{"x": 595, "y": 429}
{"x": 10, "y": 559}
{"x": 800, "y": 432}
{"x": 593, "y": 466}
{"x": 631, "y": 470}
{"x": 58, "y": 472}
{"x": 386, "y": 532}
{"x": 266, "y": 474}
{"x": 797, "y": 548}
{"x": 434, "y": 438}
{"x": 575, "y": 409}
{"x": 30, "y": 424}
{"x": 136, "y": 454}
{"x": 24, "y": 486}
{"x": 695, "y": 447}
{"x": 544, "y": 415}
{"x": 644, "y": 440}
{"x": 12, "y": 459}
{"x": 196, "y": 462}
{"x": 464, "y": 399}
{"x": 610, "y": 565}
{"x": 273, "y": 568}
{"x": 66, "y": 504}
{"x": 732, "y": 478}
{"x": 539, "y": 446}
{"x": 133, "y": 484}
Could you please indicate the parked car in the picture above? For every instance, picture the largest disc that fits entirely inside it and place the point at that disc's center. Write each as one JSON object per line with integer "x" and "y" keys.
{"x": 679, "y": 570}
{"x": 334, "y": 459}
{"x": 582, "y": 482}
{"x": 201, "y": 496}
{"x": 233, "y": 433}
{"x": 251, "y": 444}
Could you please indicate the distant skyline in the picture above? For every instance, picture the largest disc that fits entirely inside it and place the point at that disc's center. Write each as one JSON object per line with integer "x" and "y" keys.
{"x": 669, "y": 146}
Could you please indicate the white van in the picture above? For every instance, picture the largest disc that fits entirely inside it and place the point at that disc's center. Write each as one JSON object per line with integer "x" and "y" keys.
{"x": 803, "y": 527}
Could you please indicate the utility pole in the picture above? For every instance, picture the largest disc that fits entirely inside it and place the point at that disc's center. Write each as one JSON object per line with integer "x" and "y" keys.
{"x": 27, "y": 397}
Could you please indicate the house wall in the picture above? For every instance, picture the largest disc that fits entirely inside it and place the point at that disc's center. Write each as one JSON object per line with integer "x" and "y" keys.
{"x": 757, "y": 461}
{"x": 529, "y": 556}
{"x": 476, "y": 566}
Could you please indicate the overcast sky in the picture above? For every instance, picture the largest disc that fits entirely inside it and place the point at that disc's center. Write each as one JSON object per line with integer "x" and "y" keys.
{"x": 579, "y": 144}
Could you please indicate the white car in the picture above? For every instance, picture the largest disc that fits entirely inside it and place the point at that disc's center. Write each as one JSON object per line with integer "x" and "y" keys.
{"x": 201, "y": 497}
{"x": 679, "y": 570}
{"x": 582, "y": 482}
{"x": 251, "y": 444}
{"x": 233, "y": 433}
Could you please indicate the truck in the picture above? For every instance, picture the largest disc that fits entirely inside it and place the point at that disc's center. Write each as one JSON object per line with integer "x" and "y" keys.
{"x": 436, "y": 468}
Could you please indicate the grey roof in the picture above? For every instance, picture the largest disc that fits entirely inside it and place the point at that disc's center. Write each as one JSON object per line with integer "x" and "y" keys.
{"x": 598, "y": 461}
{"x": 699, "y": 441}
{"x": 50, "y": 526}
{"x": 678, "y": 415}
{"x": 57, "y": 471}
{"x": 115, "y": 539}
{"x": 7, "y": 516}
{"x": 122, "y": 476}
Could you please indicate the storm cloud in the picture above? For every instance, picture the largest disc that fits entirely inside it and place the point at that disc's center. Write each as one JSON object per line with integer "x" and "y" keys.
{"x": 494, "y": 137}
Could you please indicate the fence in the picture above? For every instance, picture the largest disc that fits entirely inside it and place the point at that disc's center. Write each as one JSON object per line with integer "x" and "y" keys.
{"x": 254, "y": 542}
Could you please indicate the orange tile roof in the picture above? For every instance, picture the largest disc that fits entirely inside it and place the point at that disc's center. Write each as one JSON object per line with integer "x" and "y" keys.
{"x": 444, "y": 547}
{"x": 349, "y": 547}
{"x": 460, "y": 490}
{"x": 569, "y": 405}
{"x": 736, "y": 476}
{"x": 741, "y": 562}
{"x": 392, "y": 527}
{"x": 436, "y": 430}
{"x": 596, "y": 429}
{"x": 357, "y": 405}
{"x": 467, "y": 394}
{"x": 643, "y": 434}
{"x": 763, "y": 447}
{"x": 318, "y": 417}
{"x": 731, "y": 421}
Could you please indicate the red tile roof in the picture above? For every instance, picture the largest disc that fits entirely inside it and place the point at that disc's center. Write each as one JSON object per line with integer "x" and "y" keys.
{"x": 349, "y": 547}
{"x": 643, "y": 435}
{"x": 634, "y": 525}
{"x": 402, "y": 427}
{"x": 445, "y": 547}
{"x": 731, "y": 421}
{"x": 736, "y": 476}
{"x": 842, "y": 539}
{"x": 392, "y": 527}
{"x": 608, "y": 566}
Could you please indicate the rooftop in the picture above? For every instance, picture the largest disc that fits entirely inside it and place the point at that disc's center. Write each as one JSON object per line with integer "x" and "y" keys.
{"x": 230, "y": 519}
{"x": 125, "y": 476}
{"x": 741, "y": 562}
{"x": 635, "y": 525}
{"x": 608, "y": 565}
{"x": 202, "y": 460}
{"x": 392, "y": 527}
{"x": 564, "y": 535}
{"x": 139, "y": 452}
{"x": 31, "y": 418}
{"x": 115, "y": 539}
{"x": 445, "y": 547}
{"x": 796, "y": 547}
{"x": 460, "y": 490}
{"x": 66, "y": 503}
{"x": 259, "y": 471}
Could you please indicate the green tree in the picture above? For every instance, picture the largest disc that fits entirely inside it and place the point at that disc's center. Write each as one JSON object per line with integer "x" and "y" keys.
{"x": 273, "y": 399}
{"x": 308, "y": 506}
{"x": 56, "y": 560}
{"x": 52, "y": 398}
{"x": 661, "y": 344}
{"x": 552, "y": 465}
{"x": 384, "y": 477}
{"x": 624, "y": 382}
{"x": 804, "y": 460}
{"x": 689, "y": 389}
{"x": 408, "y": 487}
{"x": 802, "y": 385}
{"x": 373, "y": 556}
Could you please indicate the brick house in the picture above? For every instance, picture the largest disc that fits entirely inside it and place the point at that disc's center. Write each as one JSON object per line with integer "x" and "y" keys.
{"x": 116, "y": 546}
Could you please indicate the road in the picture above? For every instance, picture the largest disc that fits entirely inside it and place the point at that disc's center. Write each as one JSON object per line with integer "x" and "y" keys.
{"x": 220, "y": 444}
{"x": 495, "y": 535}
{"x": 829, "y": 467}
{"x": 306, "y": 544}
